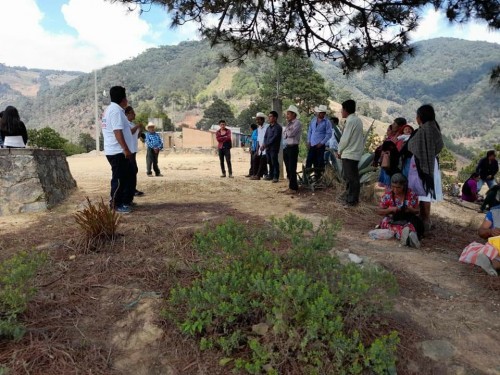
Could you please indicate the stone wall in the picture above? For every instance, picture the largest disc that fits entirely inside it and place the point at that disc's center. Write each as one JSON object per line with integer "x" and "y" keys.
{"x": 33, "y": 180}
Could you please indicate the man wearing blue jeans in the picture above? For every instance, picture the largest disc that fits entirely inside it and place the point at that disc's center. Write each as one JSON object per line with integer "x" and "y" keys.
{"x": 272, "y": 144}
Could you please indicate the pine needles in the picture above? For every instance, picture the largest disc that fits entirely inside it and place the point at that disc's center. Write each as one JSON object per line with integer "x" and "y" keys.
{"x": 98, "y": 223}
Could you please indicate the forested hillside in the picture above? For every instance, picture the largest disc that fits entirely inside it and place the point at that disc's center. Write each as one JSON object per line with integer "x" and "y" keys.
{"x": 452, "y": 74}
{"x": 163, "y": 77}
{"x": 17, "y": 83}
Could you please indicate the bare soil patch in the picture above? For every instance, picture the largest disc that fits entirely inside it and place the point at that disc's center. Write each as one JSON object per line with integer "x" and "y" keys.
{"x": 99, "y": 312}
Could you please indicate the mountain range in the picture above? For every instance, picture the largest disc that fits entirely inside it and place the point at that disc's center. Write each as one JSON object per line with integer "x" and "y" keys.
{"x": 182, "y": 80}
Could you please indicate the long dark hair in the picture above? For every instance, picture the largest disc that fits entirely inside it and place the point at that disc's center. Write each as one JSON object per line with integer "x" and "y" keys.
{"x": 10, "y": 121}
{"x": 426, "y": 114}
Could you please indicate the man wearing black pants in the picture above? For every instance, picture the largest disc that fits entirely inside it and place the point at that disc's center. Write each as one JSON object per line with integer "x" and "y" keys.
{"x": 118, "y": 143}
{"x": 224, "y": 139}
{"x": 350, "y": 151}
{"x": 318, "y": 135}
{"x": 272, "y": 144}
{"x": 291, "y": 136}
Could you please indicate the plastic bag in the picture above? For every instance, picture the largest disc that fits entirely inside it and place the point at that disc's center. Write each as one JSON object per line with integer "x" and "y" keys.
{"x": 381, "y": 234}
{"x": 414, "y": 181}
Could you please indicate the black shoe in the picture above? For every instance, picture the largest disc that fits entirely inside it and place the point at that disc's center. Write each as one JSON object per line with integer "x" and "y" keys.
{"x": 159, "y": 175}
{"x": 275, "y": 180}
{"x": 150, "y": 175}
{"x": 223, "y": 175}
{"x": 268, "y": 178}
{"x": 138, "y": 193}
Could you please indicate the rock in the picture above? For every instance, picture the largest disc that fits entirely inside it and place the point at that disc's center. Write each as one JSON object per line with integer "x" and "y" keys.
{"x": 33, "y": 180}
{"x": 438, "y": 350}
{"x": 355, "y": 259}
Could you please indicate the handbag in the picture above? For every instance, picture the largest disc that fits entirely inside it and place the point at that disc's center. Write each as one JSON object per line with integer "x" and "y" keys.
{"x": 414, "y": 181}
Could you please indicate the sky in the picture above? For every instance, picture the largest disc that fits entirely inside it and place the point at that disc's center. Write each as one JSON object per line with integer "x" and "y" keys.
{"x": 84, "y": 35}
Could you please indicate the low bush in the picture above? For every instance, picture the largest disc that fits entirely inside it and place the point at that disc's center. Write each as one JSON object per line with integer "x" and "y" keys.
{"x": 290, "y": 309}
{"x": 16, "y": 289}
{"x": 98, "y": 223}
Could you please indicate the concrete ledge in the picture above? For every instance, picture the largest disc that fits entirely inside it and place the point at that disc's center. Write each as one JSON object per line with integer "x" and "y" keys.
{"x": 33, "y": 180}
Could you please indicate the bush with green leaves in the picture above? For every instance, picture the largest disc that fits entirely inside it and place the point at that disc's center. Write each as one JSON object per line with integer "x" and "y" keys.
{"x": 272, "y": 299}
{"x": 16, "y": 289}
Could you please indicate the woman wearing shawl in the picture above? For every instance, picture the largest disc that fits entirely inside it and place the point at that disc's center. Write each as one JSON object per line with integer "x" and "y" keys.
{"x": 425, "y": 145}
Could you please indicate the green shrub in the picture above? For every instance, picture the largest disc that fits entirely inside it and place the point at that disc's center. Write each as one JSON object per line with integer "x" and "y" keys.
{"x": 16, "y": 289}
{"x": 98, "y": 223}
{"x": 293, "y": 306}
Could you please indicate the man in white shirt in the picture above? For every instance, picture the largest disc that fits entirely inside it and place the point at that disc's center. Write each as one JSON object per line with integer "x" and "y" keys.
{"x": 260, "y": 158}
{"x": 350, "y": 151}
{"x": 118, "y": 143}
{"x": 136, "y": 133}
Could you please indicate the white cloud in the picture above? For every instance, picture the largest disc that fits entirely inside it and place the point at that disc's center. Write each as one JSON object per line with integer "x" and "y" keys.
{"x": 106, "y": 34}
{"x": 435, "y": 24}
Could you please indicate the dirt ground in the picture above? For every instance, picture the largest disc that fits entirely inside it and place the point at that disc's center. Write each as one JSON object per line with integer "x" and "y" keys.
{"x": 98, "y": 313}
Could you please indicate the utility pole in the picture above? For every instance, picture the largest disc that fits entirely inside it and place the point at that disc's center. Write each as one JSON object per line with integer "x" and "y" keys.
{"x": 97, "y": 127}
{"x": 278, "y": 107}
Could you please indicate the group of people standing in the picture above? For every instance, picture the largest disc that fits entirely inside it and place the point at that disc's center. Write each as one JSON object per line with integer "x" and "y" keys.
{"x": 269, "y": 137}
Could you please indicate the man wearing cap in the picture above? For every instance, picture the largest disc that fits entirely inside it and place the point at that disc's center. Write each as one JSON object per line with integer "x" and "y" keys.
{"x": 260, "y": 158}
{"x": 272, "y": 144}
{"x": 155, "y": 145}
{"x": 118, "y": 143}
{"x": 318, "y": 135}
{"x": 291, "y": 141}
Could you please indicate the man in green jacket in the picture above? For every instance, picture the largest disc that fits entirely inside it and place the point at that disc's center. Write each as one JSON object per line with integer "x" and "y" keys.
{"x": 350, "y": 151}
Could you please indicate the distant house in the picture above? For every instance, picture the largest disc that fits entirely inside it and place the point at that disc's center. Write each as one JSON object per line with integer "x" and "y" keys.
{"x": 195, "y": 138}
{"x": 236, "y": 134}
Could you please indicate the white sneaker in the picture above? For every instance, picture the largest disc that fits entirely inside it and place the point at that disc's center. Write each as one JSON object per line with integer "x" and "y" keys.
{"x": 404, "y": 236}
{"x": 413, "y": 240}
{"x": 484, "y": 262}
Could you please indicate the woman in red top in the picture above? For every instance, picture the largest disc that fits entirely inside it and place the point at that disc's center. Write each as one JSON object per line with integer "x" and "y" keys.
{"x": 225, "y": 141}
{"x": 399, "y": 206}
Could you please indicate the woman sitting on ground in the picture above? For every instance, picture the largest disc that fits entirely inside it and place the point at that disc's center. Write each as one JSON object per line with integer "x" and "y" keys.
{"x": 399, "y": 207}
{"x": 12, "y": 129}
{"x": 469, "y": 188}
{"x": 485, "y": 256}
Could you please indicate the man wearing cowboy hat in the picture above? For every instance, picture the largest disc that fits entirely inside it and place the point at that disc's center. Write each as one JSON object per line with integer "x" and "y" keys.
{"x": 259, "y": 159}
{"x": 155, "y": 145}
{"x": 318, "y": 135}
{"x": 291, "y": 141}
